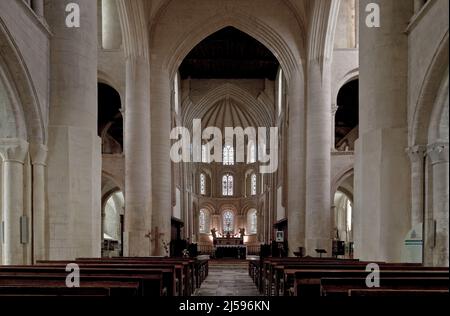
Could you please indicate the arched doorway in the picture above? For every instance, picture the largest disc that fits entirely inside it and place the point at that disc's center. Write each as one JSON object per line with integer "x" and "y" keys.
{"x": 112, "y": 225}
{"x": 342, "y": 216}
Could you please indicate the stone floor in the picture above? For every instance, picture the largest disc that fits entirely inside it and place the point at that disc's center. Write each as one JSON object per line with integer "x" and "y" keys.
{"x": 228, "y": 279}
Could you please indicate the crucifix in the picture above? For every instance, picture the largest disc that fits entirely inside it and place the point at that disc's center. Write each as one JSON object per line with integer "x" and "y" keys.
{"x": 154, "y": 236}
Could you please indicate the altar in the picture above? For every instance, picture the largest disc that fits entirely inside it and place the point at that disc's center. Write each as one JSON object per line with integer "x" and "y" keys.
{"x": 221, "y": 241}
{"x": 229, "y": 246}
{"x": 231, "y": 251}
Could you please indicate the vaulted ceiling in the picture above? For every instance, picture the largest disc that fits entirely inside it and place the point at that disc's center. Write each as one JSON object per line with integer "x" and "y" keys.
{"x": 229, "y": 54}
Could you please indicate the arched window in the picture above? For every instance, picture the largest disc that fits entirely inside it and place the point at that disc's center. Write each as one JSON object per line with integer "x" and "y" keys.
{"x": 227, "y": 185}
{"x": 251, "y": 153}
{"x": 252, "y": 221}
{"x": 228, "y": 155}
{"x": 202, "y": 184}
{"x": 253, "y": 184}
{"x": 228, "y": 221}
{"x": 202, "y": 221}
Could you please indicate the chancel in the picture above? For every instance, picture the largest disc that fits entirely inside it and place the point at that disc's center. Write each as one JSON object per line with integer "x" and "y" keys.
{"x": 224, "y": 148}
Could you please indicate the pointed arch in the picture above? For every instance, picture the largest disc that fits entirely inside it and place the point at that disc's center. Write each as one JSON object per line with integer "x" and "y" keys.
{"x": 246, "y": 23}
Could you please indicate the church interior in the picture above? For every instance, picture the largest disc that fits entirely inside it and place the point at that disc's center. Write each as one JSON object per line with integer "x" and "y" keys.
{"x": 224, "y": 147}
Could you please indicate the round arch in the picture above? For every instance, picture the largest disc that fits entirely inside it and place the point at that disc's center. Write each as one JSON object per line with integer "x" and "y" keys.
{"x": 103, "y": 77}
{"x": 340, "y": 178}
{"x": 16, "y": 72}
{"x": 349, "y": 76}
{"x": 434, "y": 76}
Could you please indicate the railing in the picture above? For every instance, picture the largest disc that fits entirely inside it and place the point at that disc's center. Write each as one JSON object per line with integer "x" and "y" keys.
{"x": 252, "y": 250}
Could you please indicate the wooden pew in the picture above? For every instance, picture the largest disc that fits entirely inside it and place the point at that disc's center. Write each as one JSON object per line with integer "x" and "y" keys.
{"x": 307, "y": 282}
{"x": 51, "y": 286}
{"x": 150, "y": 281}
{"x": 342, "y": 286}
{"x": 148, "y": 285}
{"x": 270, "y": 276}
{"x": 402, "y": 293}
{"x": 285, "y": 274}
{"x": 195, "y": 271}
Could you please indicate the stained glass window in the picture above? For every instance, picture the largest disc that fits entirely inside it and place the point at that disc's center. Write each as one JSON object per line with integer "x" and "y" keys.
{"x": 228, "y": 155}
{"x": 227, "y": 185}
{"x": 228, "y": 225}
{"x": 202, "y": 184}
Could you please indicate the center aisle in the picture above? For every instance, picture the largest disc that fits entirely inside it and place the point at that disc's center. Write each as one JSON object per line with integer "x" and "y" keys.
{"x": 228, "y": 279}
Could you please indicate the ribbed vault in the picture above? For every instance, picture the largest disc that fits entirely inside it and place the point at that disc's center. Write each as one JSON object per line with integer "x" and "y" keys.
{"x": 228, "y": 106}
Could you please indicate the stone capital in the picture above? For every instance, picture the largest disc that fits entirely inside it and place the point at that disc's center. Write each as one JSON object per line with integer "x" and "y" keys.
{"x": 13, "y": 150}
{"x": 38, "y": 154}
{"x": 416, "y": 153}
{"x": 438, "y": 153}
{"x": 334, "y": 109}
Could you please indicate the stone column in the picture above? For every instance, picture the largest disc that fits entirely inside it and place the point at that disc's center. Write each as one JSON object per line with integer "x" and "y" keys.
{"x": 382, "y": 173}
{"x": 160, "y": 151}
{"x": 296, "y": 164}
{"x": 418, "y": 4}
{"x": 416, "y": 156}
{"x": 38, "y": 154}
{"x": 38, "y": 7}
{"x": 318, "y": 157}
{"x": 74, "y": 148}
{"x": 438, "y": 155}
{"x": 137, "y": 157}
{"x": 13, "y": 153}
{"x": 334, "y": 109}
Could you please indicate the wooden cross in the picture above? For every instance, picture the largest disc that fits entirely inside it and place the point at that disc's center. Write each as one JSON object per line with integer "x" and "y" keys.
{"x": 154, "y": 236}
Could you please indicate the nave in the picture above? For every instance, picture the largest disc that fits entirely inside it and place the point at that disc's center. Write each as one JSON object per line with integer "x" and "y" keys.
{"x": 228, "y": 278}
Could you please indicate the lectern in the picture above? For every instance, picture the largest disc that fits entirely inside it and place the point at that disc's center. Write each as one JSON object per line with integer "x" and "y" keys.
{"x": 320, "y": 252}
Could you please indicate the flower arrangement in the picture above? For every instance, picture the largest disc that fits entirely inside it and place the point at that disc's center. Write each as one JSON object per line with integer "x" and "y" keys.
{"x": 166, "y": 248}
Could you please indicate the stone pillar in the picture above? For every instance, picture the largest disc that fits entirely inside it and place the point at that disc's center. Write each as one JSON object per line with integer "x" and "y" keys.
{"x": 38, "y": 7}
{"x": 334, "y": 109}
{"x": 438, "y": 155}
{"x": 295, "y": 169}
{"x": 137, "y": 157}
{"x": 318, "y": 158}
{"x": 160, "y": 151}
{"x": 13, "y": 153}
{"x": 74, "y": 148}
{"x": 38, "y": 154}
{"x": 382, "y": 173}
{"x": 416, "y": 156}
